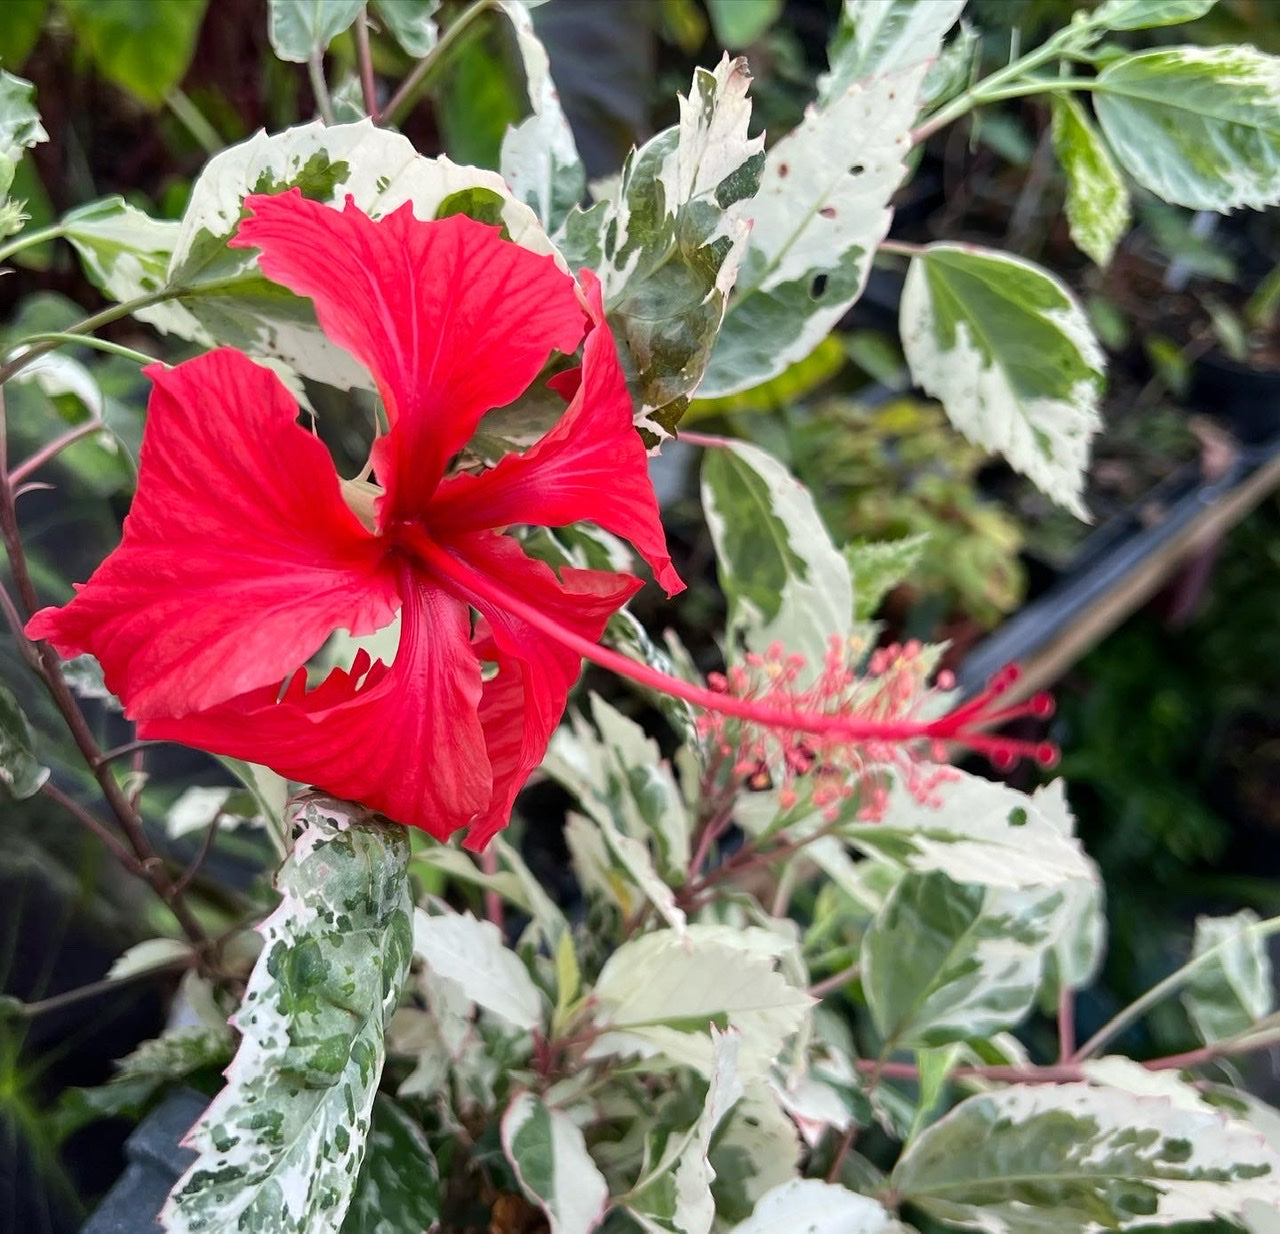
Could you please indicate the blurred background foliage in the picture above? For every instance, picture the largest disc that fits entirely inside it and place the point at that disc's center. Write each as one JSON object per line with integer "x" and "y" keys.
{"x": 1171, "y": 733}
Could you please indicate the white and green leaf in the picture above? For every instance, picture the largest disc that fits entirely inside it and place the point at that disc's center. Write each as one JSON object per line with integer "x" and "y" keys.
{"x": 879, "y": 36}
{"x": 784, "y": 578}
{"x": 1074, "y": 1158}
{"x": 1230, "y": 994}
{"x": 280, "y": 1148}
{"x": 549, "y": 1155}
{"x": 1198, "y": 126}
{"x": 20, "y": 126}
{"x": 1009, "y": 352}
{"x": 1097, "y": 199}
{"x": 398, "y": 1187}
{"x": 816, "y": 1207}
{"x": 20, "y": 771}
{"x": 820, "y": 214}
{"x": 300, "y": 30}
{"x": 667, "y": 242}
{"x": 1144, "y": 14}
{"x": 411, "y": 23}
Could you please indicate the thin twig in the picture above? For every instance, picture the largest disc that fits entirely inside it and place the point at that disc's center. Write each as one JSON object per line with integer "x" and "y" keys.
{"x": 206, "y": 847}
{"x": 127, "y": 747}
{"x": 94, "y": 824}
{"x": 837, "y": 981}
{"x": 1066, "y": 1023}
{"x": 364, "y": 57}
{"x": 47, "y": 453}
{"x": 56, "y": 1002}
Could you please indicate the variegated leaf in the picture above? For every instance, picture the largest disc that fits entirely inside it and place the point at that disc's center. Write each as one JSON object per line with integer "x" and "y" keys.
{"x": 20, "y": 771}
{"x": 878, "y": 36}
{"x": 1232, "y": 992}
{"x": 1076, "y": 1159}
{"x": 1097, "y": 199}
{"x": 280, "y": 1147}
{"x": 550, "y": 1158}
{"x": 1009, "y": 352}
{"x": 20, "y": 126}
{"x": 821, "y": 211}
{"x": 668, "y": 241}
{"x": 1143, "y": 14}
{"x": 398, "y": 1189}
{"x": 816, "y": 1207}
{"x": 302, "y": 29}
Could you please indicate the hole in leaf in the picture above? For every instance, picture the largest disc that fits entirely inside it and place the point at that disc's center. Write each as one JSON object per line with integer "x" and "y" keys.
{"x": 817, "y": 287}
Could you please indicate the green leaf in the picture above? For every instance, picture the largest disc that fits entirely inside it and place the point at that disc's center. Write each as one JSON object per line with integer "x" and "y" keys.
{"x": 23, "y": 21}
{"x": 539, "y": 158}
{"x": 411, "y": 23}
{"x": 661, "y": 993}
{"x": 20, "y": 126}
{"x": 877, "y": 568}
{"x": 1097, "y": 199}
{"x": 879, "y": 36}
{"x": 1231, "y": 994}
{"x": 280, "y": 1147}
{"x": 554, "y": 1169}
{"x": 398, "y": 1188}
{"x": 792, "y": 385}
{"x": 301, "y": 29}
{"x": 816, "y": 1208}
{"x": 1009, "y": 352}
{"x": 143, "y": 46}
{"x": 783, "y": 577}
{"x": 816, "y": 223}
{"x": 1144, "y": 14}
{"x": 738, "y": 23}
{"x": 1073, "y": 1159}
{"x": 667, "y": 243}
{"x": 946, "y": 961}
{"x": 20, "y": 770}
{"x": 1198, "y": 126}
{"x": 472, "y": 953}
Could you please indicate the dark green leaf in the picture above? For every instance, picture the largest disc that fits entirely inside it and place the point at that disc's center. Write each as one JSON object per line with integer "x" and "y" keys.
{"x": 398, "y": 1189}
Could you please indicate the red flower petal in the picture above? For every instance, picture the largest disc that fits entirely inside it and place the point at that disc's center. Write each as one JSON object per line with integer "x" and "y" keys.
{"x": 523, "y": 704}
{"x": 451, "y": 320}
{"x": 239, "y": 556}
{"x": 592, "y": 467}
{"x": 406, "y": 740}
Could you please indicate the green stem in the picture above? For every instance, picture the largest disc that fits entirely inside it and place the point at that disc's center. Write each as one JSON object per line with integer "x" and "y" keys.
{"x": 1172, "y": 983}
{"x": 320, "y": 87}
{"x": 31, "y": 238}
{"x": 430, "y": 63}
{"x": 98, "y": 344}
{"x": 194, "y": 121}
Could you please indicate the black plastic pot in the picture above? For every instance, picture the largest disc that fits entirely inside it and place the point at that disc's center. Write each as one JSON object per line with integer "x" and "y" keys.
{"x": 1246, "y": 399}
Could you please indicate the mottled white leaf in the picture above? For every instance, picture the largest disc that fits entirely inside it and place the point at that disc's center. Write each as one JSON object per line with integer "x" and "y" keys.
{"x": 301, "y": 29}
{"x": 878, "y": 36}
{"x": 815, "y": 1207}
{"x": 1097, "y": 199}
{"x": 756, "y": 1148}
{"x": 20, "y": 771}
{"x": 398, "y": 1188}
{"x": 20, "y": 126}
{"x": 539, "y": 159}
{"x": 410, "y": 22}
{"x": 1074, "y": 1158}
{"x": 57, "y": 373}
{"x": 658, "y": 994}
{"x": 821, "y": 212}
{"x": 125, "y": 252}
{"x": 1143, "y": 14}
{"x": 144, "y": 956}
{"x": 279, "y": 1148}
{"x": 472, "y": 953}
{"x": 946, "y": 961}
{"x": 985, "y": 832}
{"x": 666, "y": 242}
{"x": 785, "y": 580}
{"x": 1231, "y": 993}
{"x": 550, "y": 1158}
{"x": 1198, "y": 126}
{"x": 1009, "y": 352}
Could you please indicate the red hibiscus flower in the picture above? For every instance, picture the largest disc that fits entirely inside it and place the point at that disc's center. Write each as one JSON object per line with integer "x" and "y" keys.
{"x": 244, "y": 550}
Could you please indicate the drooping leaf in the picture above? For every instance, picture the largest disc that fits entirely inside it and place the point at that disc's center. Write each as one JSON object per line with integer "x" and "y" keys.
{"x": 738, "y": 23}
{"x": 20, "y": 770}
{"x": 280, "y": 1146}
{"x": 539, "y": 159}
{"x": 143, "y": 46}
{"x": 876, "y": 568}
{"x": 1198, "y": 126}
{"x": 20, "y": 126}
{"x": 549, "y": 1155}
{"x": 816, "y": 1207}
{"x": 878, "y": 36}
{"x": 149, "y": 954}
{"x": 1097, "y": 199}
{"x": 218, "y": 296}
{"x": 1009, "y": 352}
{"x": 668, "y": 241}
{"x": 1144, "y": 14}
{"x": 1231, "y": 993}
{"x": 410, "y": 22}
{"x": 946, "y": 961}
{"x": 398, "y": 1188}
{"x": 471, "y": 952}
{"x": 785, "y": 580}
{"x": 1074, "y": 1158}
{"x": 301, "y": 29}
{"x": 816, "y": 223}
{"x": 659, "y": 994}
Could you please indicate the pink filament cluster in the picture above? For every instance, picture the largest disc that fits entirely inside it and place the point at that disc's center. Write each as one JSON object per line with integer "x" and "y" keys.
{"x": 850, "y": 730}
